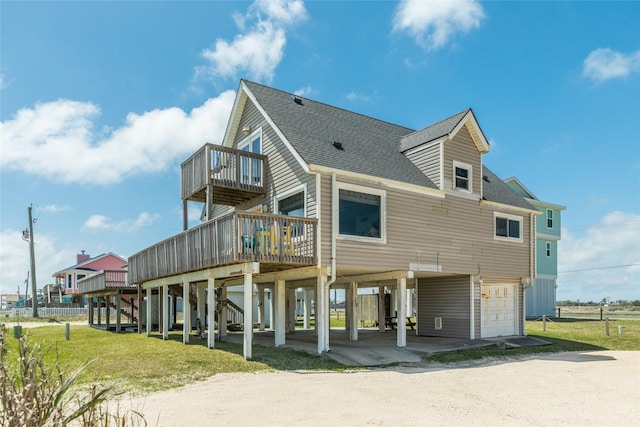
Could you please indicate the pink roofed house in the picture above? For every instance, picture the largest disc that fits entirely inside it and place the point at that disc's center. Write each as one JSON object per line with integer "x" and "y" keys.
{"x": 87, "y": 266}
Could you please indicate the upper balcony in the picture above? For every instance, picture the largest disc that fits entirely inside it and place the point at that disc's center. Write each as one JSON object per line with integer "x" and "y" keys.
{"x": 276, "y": 241}
{"x": 234, "y": 176}
{"x": 105, "y": 282}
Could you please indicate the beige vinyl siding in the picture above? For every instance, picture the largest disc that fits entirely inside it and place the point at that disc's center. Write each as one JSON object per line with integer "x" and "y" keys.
{"x": 284, "y": 172}
{"x": 449, "y": 299}
{"x": 462, "y": 149}
{"x": 428, "y": 161}
{"x": 455, "y": 233}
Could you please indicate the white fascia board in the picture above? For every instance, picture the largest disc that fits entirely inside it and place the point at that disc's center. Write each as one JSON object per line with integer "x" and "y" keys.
{"x": 234, "y": 118}
{"x": 275, "y": 128}
{"x": 503, "y": 207}
{"x": 537, "y": 202}
{"x": 425, "y": 145}
{"x": 433, "y": 192}
{"x": 478, "y": 136}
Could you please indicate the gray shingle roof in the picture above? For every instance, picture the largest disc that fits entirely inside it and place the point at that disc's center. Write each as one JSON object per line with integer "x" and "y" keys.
{"x": 430, "y": 133}
{"x": 370, "y": 146}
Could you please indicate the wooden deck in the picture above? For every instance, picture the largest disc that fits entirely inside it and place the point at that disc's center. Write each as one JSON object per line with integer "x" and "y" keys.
{"x": 276, "y": 241}
{"x": 106, "y": 282}
{"x": 233, "y": 176}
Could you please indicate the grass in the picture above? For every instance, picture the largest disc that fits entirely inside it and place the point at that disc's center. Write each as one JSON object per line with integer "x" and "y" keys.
{"x": 138, "y": 363}
{"x": 564, "y": 335}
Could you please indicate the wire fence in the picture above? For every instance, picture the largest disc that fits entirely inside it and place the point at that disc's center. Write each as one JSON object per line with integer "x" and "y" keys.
{"x": 595, "y": 313}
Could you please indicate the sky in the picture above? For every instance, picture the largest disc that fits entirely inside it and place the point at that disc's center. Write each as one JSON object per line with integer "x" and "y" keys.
{"x": 100, "y": 102}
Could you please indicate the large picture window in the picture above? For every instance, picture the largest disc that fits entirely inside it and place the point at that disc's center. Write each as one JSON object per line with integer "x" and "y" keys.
{"x": 508, "y": 227}
{"x": 361, "y": 213}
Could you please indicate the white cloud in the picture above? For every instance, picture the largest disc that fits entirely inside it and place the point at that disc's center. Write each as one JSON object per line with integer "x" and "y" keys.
{"x": 611, "y": 243}
{"x": 604, "y": 64}
{"x": 355, "y": 96}
{"x": 257, "y": 52}
{"x": 434, "y": 23}
{"x": 14, "y": 258}
{"x": 101, "y": 222}
{"x": 305, "y": 91}
{"x": 55, "y": 140}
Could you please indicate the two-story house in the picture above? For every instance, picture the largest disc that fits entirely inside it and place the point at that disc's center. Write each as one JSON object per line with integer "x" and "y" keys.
{"x": 541, "y": 297}
{"x": 301, "y": 194}
{"x": 86, "y": 266}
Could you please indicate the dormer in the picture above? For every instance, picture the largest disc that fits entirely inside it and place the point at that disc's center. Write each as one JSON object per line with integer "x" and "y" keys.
{"x": 450, "y": 153}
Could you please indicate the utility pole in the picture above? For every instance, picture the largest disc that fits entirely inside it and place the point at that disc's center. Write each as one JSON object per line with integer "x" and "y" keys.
{"x": 34, "y": 287}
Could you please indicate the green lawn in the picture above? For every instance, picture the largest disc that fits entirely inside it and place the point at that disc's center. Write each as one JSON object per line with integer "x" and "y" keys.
{"x": 138, "y": 363}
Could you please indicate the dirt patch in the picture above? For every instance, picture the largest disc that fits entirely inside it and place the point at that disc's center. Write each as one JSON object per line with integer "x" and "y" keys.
{"x": 562, "y": 389}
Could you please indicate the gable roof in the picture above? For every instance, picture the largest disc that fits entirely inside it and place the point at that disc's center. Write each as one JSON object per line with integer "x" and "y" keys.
{"x": 84, "y": 264}
{"x": 529, "y": 196}
{"x": 368, "y": 146}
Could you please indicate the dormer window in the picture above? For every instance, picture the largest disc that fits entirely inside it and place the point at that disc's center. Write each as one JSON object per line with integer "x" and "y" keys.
{"x": 462, "y": 176}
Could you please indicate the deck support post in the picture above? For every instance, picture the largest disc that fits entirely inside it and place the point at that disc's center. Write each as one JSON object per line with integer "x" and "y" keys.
{"x": 107, "y": 311}
{"x": 248, "y": 316}
{"x": 272, "y": 308}
{"x": 280, "y": 315}
{"x": 139, "y": 309}
{"x": 353, "y": 310}
{"x": 148, "y": 311}
{"x": 118, "y": 312}
{"x": 402, "y": 312}
{"x": 201, "y": 300}
{"x": 186, "y": 313}
{"x": 291, "y": 310}
{"x": 91, "y": 306}
{"x": 381, "y": 310}
{"x": 211, "y": 315}
{"x": 322, "y": 321}
{"x": 307, "y": 308}
{"x": 261, "y": 308}
{"x": 161, "y": 303}
{"x": 222, "y": 325}
{"x": 165, "y": 312}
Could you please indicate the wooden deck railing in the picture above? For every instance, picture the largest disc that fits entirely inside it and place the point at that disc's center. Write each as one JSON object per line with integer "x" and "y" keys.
{"x": 224, "y": 168}
{"x": 104, "y": 280}
{"x": 233, "y": 238}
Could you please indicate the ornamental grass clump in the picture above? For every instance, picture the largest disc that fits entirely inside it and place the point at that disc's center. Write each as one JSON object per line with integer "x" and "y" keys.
{"x": 34, "y": 393}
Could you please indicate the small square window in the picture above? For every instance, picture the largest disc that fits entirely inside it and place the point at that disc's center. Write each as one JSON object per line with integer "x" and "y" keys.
{"x": 462, "y": 176}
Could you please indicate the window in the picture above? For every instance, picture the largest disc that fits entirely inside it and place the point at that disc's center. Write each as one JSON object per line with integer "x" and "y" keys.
{"x": 548, "y": 249}
{"x": 69, "y": 281}
{"x": 508, "y": 227}
{"x": 549, "y": 218}
{"x": 292, "y": 203}
{"x": 361, "y": 213}
{"x": 462, "y": 176}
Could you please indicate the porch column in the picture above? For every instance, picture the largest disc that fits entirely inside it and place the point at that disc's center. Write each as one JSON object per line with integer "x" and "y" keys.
{"x": 211, "y": 316}
{"x": 321, "y": 312}
{"x": 327, "y": 318}
{"x": 186, "y": 313}
{"x": 91, "y": 306}
{"x": 291, "y": 313}
{"x": 107, "y": 311}
{"x": 402, "y": 312}
{"x": 222, "y": 324}
{"x": 381, "y": 312}
{"x": 260, "y": 308}
{"x": 161, "y": 304}
{"x": 148, "y": 313}
{"x": 279, "y": 308}
{"x": 353, "y": 309}
{"x": 201, "y": 306}
{"x": 248, "y": 316}
{"x": 164, "y": 297}
{"x": 139, "y": 309}
{"x": 307, "y": 308}
{"x": 272, "y": 308}
{"x": 118, "y": 312}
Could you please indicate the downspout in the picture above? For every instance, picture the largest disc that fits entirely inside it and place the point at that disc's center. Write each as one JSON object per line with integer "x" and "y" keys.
{"x": 334, "y": 226}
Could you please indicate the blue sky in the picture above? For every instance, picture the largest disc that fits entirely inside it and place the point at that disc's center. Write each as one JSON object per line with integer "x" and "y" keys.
{"x": 101, "y": 102}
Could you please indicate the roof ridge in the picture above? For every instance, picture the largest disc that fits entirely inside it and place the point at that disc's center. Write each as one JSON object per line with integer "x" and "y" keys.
{"x": 332, "y": 106}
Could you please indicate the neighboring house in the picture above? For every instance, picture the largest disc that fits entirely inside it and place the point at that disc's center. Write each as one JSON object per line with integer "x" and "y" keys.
{"x": 304, "y": 195}
{"x": 87, "y": 266}
{"x": 541, "y": 297}
{"x": 9, "y": 301}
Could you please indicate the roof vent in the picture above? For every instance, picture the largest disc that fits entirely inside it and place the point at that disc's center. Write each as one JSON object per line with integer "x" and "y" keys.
{"x": 338, "y": 145}
{"x": 485, "y": 178}
{"x": 297, "y": 100}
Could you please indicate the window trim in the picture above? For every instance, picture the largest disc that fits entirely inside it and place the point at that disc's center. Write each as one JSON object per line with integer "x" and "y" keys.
{"x": 509, "y": 217}
{"x": 383, "y": 212}
{"x": 547, "y": 248}
{"x": 250, "y": 138}
{"x": 549, "y": 211}
{"x": 469, "y": 168}
{"x": 293, "y": 191}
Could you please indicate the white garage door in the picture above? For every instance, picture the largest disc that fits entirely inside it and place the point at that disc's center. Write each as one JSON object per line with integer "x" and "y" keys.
{"x": 498, "y": 310}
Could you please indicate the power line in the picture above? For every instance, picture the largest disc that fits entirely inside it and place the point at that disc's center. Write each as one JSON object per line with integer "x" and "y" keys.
{"x": 598, "y": 268}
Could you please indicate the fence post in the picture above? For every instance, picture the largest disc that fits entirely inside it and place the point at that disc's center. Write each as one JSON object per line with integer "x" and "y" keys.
{"x": 67, "y": 331}
{"x": 606, "y": 328}
{"x": 601, "y": 315}
{"x": 558, "y": 312}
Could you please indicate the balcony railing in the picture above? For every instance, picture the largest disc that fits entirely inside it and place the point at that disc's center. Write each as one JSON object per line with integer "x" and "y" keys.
{"x": 238, "y": 237}
{"x": 103, "y": 281}
{"x": 236, "y": 175}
